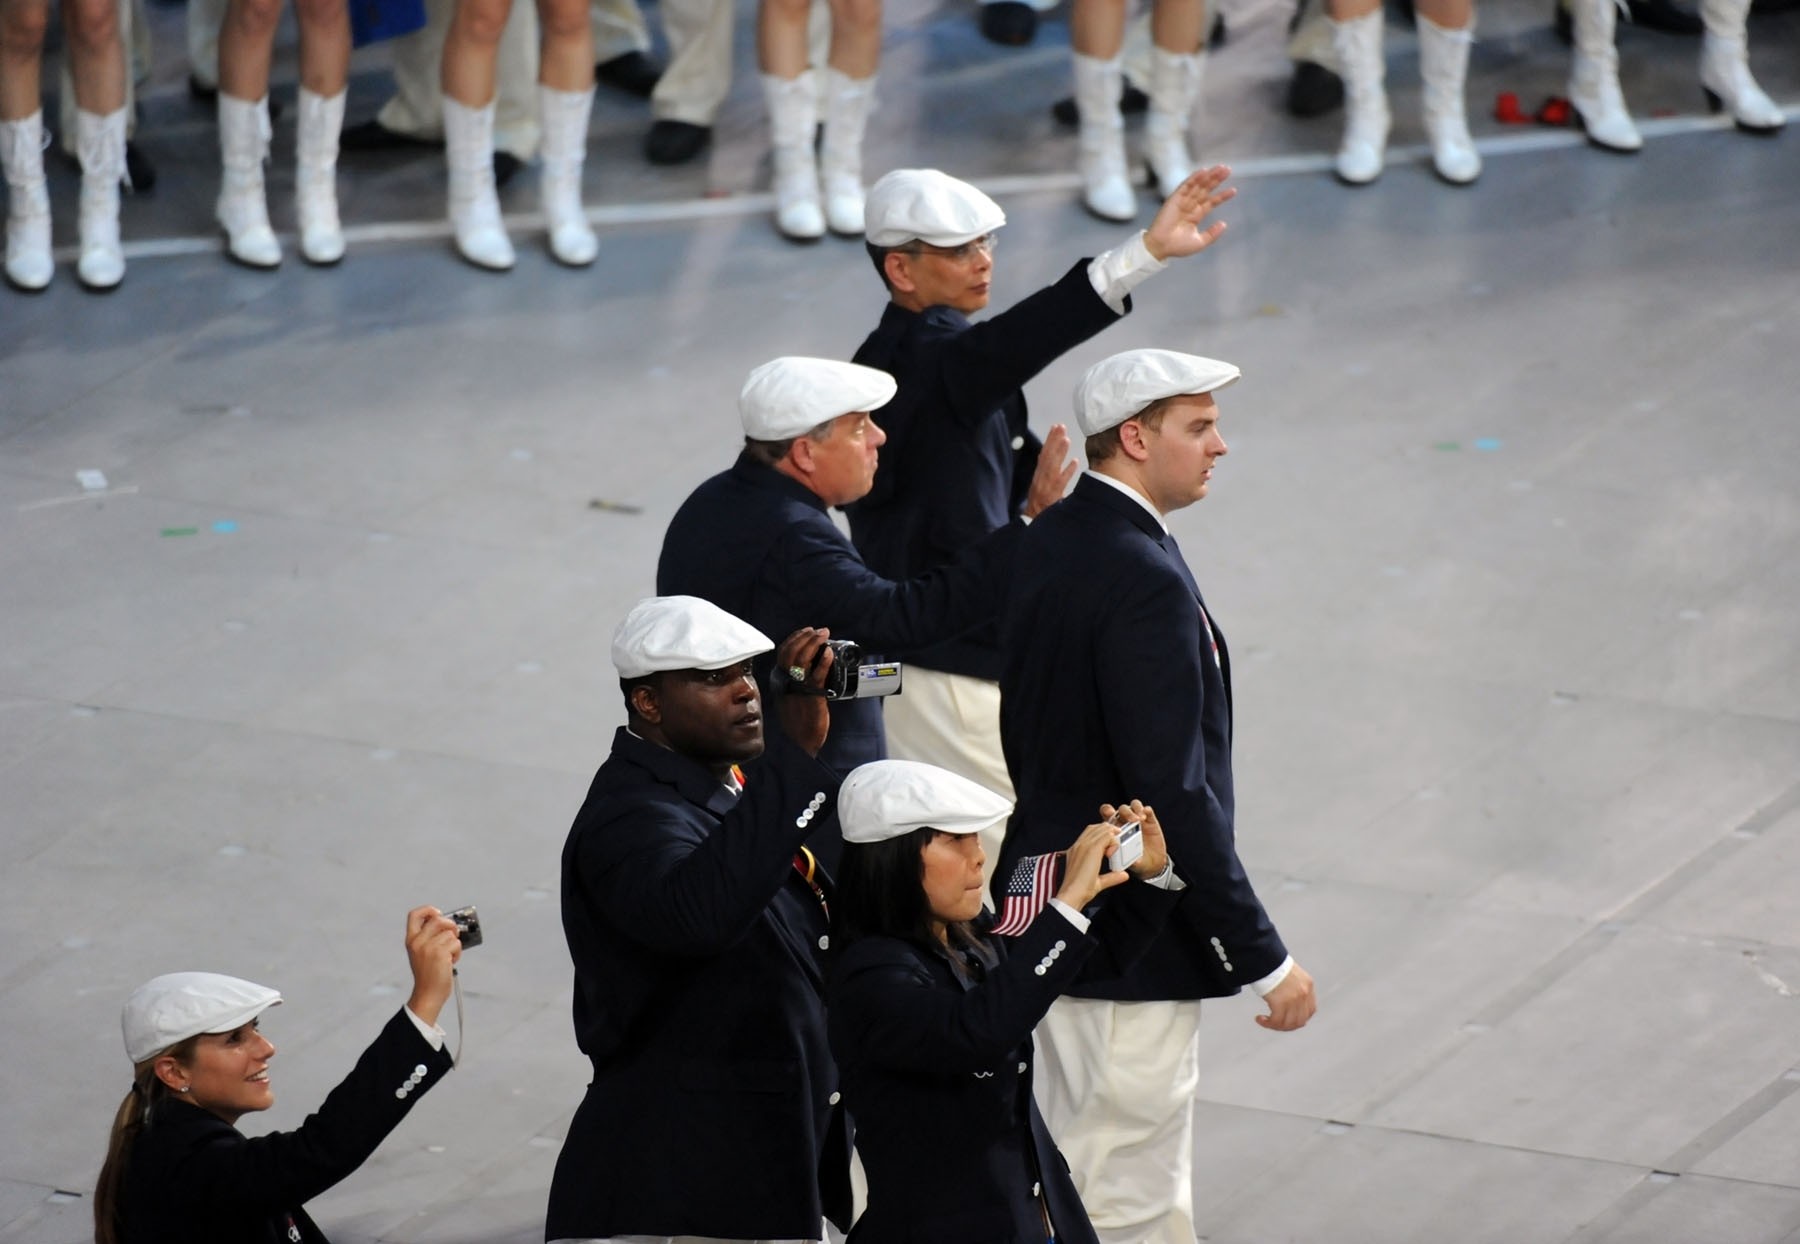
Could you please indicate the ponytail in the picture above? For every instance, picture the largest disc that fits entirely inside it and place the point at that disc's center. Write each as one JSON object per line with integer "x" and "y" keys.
{"x": 131, "y": 1118}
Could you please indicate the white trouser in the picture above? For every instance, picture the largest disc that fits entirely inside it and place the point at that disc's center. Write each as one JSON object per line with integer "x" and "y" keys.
{"x": 417, "y": 106}
{"x": 953, "y": 721}
{"x": 698, "y": 77}
{"x": 1116, "y": 1082}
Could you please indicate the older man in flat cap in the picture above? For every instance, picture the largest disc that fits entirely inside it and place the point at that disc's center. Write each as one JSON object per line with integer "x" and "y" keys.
{"x": 758, "y": 539}
{"x": 697, "y": 923}
{"x": 961, "y": 460}
{"x": 1117, "y": 679}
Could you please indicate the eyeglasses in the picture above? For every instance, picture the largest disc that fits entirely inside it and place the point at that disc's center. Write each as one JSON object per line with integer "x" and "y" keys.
{"x": 983, "y": 245}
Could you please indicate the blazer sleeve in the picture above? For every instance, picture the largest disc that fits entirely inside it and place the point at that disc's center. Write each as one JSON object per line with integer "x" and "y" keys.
{"x": 282, "y": 1170}
{"x": 979, "y": 367}
{"x": 888, "y": 1011}
{"x": 669, "y": 887}
{"x": 1152, "y": 639}
{"x": 822, "y": 578}
{"x": 1126, "y": 925}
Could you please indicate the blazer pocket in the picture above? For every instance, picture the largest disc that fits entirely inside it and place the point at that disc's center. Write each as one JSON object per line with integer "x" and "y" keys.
{"x": 745, "y": 1075}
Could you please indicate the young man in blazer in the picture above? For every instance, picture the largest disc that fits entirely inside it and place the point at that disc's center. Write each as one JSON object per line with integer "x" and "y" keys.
{"x": 961, "y": 459}
{"x": 1117, "y": 679}
{"x": 697, "y": 925}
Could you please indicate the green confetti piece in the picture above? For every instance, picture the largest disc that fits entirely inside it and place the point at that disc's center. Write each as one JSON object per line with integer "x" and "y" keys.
{"x": 1448, "y": 446}
{"x": 181, "y": 531}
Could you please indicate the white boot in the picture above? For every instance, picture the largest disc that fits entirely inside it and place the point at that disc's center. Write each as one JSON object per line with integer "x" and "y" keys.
{"x": 243, "y": 211}
{"x": 100, "y": 143}
{"x": 1105, "y": 185}
{"x": 564, "y": 118}
{"x": 1444, "y": 66}
{"x": 474, "y": 204}
{"x": 1594, "y": 78}
{"x": 1725, "y": 69}
{"x": 1174, "y": 93}
{"x": 848, "y": 102}
{"x": 315, "y": 177}
{"x": 28, "y": 263}
{"x": 793, "y": 115}
{"x": 1366, "y": 120}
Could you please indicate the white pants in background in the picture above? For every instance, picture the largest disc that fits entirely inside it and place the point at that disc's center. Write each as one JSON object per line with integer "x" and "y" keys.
{"x": 1116, "y": 1082}
{"x": 953, "y": 721}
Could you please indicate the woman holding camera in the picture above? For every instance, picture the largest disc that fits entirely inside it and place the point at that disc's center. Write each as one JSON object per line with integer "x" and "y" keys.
{"x": 930, "y": 1013}
{"x": 177, "y": 1168}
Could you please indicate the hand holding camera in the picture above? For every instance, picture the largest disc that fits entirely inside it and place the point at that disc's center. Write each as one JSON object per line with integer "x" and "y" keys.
{"x": 1150, "y": 855}
{"x": 434, "y": 943}
{"x": 1085, "y": 873}
{"x": 805, "y": 718}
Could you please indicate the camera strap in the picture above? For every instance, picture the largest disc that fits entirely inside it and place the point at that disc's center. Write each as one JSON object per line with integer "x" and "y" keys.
{"x": 807, "y": 865}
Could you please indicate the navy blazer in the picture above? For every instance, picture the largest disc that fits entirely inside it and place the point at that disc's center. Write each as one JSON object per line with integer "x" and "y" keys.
{"x": 960, "y": 454}
{"x": 699, "y": 999}
{"x": 762, "y": 546}
{"x": 937, "y": 1066}
{"x": 195, "y": 1179}
{"x": 1110, "y": 693}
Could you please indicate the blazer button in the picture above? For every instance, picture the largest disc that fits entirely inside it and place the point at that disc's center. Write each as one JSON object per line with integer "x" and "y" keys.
{"x": 801, "y": 820}
{"x": 818, "y": 800}
{"x": 1021, "y": 1068}
{"x": 1061, "y": 945}
{"x": 1040, "y": 969}
{"x": 1035, "y": 1189}
{"x": 824, "y": 941}
{"x": 834, "y": 1099}
{"x": 419, "y": 1071}
{"x": 401, "y": 1092}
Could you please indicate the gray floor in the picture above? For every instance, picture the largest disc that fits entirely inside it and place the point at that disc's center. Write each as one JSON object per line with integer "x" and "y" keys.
{"x": 1506, "y": 545}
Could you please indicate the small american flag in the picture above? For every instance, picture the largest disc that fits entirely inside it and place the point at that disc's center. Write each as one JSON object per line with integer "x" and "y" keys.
{"x": 1032, "y": 884}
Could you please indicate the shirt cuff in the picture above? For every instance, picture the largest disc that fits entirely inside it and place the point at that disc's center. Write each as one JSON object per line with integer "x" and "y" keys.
{"x": 1070, "y": 914}
{"x": 1267, "y": 984}
{"x": 434, "y": 1036}
{"x": 1166, "y": 879}
{"x": 1121, "y": 270}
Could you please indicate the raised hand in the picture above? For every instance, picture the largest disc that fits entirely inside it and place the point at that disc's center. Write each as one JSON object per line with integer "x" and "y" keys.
{"x": 1055, "y": 468}
{"x": 1176, "y": 231}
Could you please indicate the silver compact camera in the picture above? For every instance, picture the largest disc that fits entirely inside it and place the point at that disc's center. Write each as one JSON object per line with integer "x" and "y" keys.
{"x": 1131, "y": 843}
{"x": 852, "y": 678}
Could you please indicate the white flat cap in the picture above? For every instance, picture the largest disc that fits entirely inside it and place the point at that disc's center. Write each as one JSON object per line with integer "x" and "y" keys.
{"x": 682, "y": 633}
{"x": 170, "y": 1009}
{"x": 928, "y": 206}
{"x": 889, "y": 798}
{"x": 1116, "y": 388}
{"x": 789, "y": 397}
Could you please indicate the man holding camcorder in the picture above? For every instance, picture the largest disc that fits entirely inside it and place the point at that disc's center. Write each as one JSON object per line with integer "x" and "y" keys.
{"x": 758, "y": 541}
{"x": 697, "y": 923}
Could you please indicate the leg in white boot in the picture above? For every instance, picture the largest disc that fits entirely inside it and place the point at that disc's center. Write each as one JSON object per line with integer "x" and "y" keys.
{"x": 1725, "y": 69}
{"x": 1444, "y": 66}
{"x": 793, "y": 115}
{"x": 1363, "y": 150}
{"x": 243, "y": 212}
{"x": 848, "y": 102}
{"x": 475, "y": 220}
{"x": 100, "y": 143}
{"x": 565, "y": 127}
{"x": 1174, "y": 93}
{"x": 315, "y": 178}
{"x": 1105, "y": 185}
{"x": 1594, "y": 78}
{"x": 28, "y": 263}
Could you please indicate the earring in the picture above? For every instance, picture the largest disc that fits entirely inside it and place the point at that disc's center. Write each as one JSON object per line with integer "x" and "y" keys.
{"x": 186, "y": 1088}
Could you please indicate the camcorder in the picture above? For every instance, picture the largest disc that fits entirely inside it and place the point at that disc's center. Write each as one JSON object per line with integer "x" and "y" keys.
{"x": 850, "y": 677}
{"x": 468, "y": 926}
{"x": 1131, "y": 843}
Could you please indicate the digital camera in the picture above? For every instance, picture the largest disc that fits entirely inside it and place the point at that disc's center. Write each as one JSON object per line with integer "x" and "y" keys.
{"x": 852, "y": 678}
